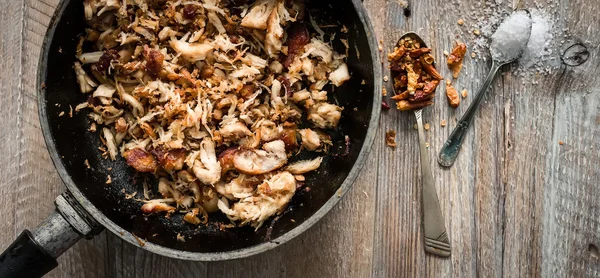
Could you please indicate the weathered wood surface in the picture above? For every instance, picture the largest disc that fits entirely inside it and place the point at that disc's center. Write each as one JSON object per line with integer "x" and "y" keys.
{"x": 516, "y": 202}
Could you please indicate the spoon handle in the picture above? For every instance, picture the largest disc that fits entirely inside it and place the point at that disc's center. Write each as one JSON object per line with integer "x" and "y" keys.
{"x": 436, "y": 238}
{"x": 450, "y": 149}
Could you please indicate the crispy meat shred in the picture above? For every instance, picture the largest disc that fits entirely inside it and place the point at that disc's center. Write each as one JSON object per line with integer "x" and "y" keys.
{"x": 213, "y": 98}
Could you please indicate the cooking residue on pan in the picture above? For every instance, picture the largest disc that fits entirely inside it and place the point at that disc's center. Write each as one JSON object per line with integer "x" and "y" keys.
{"x": 210, "y": 97}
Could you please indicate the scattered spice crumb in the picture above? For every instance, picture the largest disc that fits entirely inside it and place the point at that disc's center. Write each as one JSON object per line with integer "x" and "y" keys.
{"x": 427, "y": 126}
{"x": 380, "y": 45}
{"x": 561, "y": 142}
{"x": 384, "y": 92}
{"x": 443, "y": 123}
{"x": 129, "y": 196}
{"x": 108, "y": 179}
{"x": 180, "y": 237}
{"x": 70, "y": 111}
{"x": 62, "y": 113}
{"x": 355, "y": 108}
{"x": 87, "y": 164}
{"x": 426, "y": 144}
{"x": 385, "y": 78}
{"x": 446, "y": 53}
{"x": 109, "y": 169}
{"x": 415, "y": 126}
{"x": 293, "y": 221}
{"x": 385, "y": 105}
{"x": 461, "y": 22}
{"x": 59, "y": 49}
{"x": 363, "y": 82}
{"x": 44, "y": 86}
{"x": 464, "y": 93}
{"x": 390, "y": 138}
{"x": 473, "y": 55}
{"x": 344, "y": 29}
{"x": 139, "y": 240}
{"x": 299, "y": 177}
{"x": 476, "y": 32}
{"x": 452, "y": 94}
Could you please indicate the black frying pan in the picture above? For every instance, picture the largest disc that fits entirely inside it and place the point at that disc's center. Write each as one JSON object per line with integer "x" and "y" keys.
{"x": 90, "y": 204}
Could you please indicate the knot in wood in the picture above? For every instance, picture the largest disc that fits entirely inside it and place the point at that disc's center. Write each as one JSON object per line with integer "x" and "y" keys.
{"x": 575, "y": 55}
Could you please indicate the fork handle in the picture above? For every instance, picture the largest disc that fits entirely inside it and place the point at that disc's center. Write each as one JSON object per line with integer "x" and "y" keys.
{"x": 450, "y": 150}
{"x": 436, "y": 238}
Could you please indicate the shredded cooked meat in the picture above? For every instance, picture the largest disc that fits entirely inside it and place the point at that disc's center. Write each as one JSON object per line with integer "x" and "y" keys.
{"x": 212, "y": 97}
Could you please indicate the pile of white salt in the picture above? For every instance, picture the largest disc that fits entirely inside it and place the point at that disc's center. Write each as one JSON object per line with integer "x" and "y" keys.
{"x": 511, "y": 37}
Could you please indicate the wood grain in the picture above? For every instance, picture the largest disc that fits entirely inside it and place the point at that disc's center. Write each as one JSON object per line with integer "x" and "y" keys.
{"x": 11, "y": 18}
{"x": 516, "y": 202}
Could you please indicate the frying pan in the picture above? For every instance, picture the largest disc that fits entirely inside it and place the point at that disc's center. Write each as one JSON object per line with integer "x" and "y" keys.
{"x": 90, "y": 204}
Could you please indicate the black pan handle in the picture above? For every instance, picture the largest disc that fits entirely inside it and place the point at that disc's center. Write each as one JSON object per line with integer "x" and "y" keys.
{"x": 26, "y": 258}
{"x": 33, "y": 254}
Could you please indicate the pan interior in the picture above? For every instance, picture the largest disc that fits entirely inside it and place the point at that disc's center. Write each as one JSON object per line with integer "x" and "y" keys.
{"x": 75, "y": 144}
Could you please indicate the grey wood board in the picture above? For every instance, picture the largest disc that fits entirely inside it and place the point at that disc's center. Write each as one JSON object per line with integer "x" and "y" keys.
{"x": 516, "y": 203}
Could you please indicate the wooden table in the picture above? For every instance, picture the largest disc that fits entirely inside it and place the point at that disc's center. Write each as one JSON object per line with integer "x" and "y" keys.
{"x": 517, "y": 203}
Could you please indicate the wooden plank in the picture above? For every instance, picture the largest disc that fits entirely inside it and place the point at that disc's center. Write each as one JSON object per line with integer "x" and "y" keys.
{"x": 469, "y": 203}
{"x": 516, "y": 202}
{"x": 571, "y": 230}
{"x": 11, "y": 18}
{"x": 127, "y": 260}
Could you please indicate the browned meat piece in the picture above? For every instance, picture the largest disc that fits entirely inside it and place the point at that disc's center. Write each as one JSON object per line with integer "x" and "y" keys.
{"x": 156, "y": 206}
{"x": 141, "y": 160}
{"x": 121, "y": 125}
{"x": 247, "y": 91}
{"x": 298, "y": 37}
{"x": 226, "y": 159}
{"x": 107, "y": 57}
{"x": 256, "y": 162}
{"x": 289, "y": 137}
{"x": 207, "y": 71}
{"x": 286, "y": 85}
{"x": 189, "y": 11}
{"x": 171, "y": 160}
{"x": 154, "y": 61}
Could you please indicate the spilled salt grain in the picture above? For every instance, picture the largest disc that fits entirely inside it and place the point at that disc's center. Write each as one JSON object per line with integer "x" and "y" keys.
{"x": 511, "y": 37}
{"x": 539, "y": 46}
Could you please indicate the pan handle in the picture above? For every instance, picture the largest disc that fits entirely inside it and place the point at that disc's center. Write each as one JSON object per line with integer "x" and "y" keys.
{"x": 33, "y": 254}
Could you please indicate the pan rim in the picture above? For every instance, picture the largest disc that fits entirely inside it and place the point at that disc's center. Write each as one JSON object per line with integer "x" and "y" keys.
{"x": 217, "y": 256}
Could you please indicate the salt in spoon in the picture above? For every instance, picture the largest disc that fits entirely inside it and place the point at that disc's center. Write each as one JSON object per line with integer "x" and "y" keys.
{"x": 508, "y": 43}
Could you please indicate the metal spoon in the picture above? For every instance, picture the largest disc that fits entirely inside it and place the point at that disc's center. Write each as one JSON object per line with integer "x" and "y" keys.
{"x": 449, "y": 152}
{"x": 436, "y": 238}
